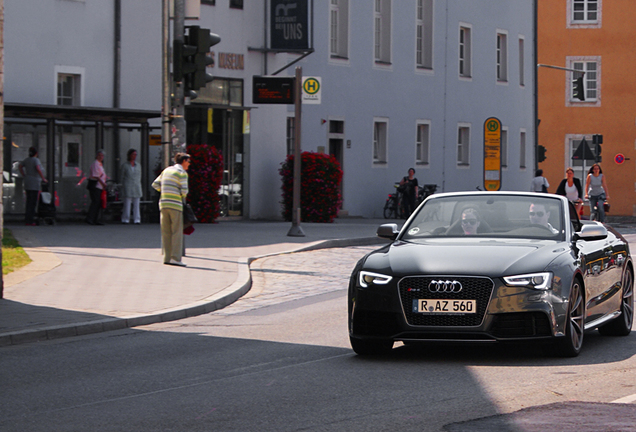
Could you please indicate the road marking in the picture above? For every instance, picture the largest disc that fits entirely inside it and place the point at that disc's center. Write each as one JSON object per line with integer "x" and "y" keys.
{"x": 626, "y": 399}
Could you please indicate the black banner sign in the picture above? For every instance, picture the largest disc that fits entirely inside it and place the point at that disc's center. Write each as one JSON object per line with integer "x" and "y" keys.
{"x": 289, "y": 25}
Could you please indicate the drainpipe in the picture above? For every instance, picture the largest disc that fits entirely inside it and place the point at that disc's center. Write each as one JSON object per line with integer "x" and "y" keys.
{"x": 116, "y": 87}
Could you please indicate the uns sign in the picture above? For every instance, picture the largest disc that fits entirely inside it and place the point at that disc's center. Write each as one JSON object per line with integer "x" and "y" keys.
{"x": 289, "y": 20}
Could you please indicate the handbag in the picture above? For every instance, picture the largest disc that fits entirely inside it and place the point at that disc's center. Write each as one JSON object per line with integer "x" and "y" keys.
{"x": 92, "y": 184}
{"x": 104, "y": 198}
{"x": 189, "y": 218}
{"x": 606, "y": 207}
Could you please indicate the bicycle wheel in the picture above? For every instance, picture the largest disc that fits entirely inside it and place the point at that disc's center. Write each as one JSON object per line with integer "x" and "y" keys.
{"x": 389, "y": 208}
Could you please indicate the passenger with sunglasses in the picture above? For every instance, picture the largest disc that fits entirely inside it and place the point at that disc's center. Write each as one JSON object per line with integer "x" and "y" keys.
{"x": 539, "y": 215}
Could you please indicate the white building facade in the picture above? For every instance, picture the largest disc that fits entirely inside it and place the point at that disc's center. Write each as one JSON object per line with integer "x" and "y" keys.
{"x": 404, "y": 84}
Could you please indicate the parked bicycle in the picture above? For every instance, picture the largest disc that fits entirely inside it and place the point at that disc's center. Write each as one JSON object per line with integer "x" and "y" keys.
{"x": 425, "y": 191}
{"x": 393, "y": 207}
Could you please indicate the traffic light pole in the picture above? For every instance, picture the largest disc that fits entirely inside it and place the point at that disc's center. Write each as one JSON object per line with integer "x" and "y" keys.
{"x": 178, "y": 141}
{"x": 296, "y": 230}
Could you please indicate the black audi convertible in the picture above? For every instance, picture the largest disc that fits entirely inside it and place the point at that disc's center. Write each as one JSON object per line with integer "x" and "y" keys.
{"x": 488, "y": 267}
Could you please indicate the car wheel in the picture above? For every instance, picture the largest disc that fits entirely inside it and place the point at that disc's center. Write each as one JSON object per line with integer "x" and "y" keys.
{"x": 570, "y": 345}
{"x": 371, "y": 346}
{"x": 622, "y": 325}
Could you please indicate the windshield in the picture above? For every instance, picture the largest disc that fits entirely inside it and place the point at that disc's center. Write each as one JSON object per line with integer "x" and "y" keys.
{"x": 488, "y": 215}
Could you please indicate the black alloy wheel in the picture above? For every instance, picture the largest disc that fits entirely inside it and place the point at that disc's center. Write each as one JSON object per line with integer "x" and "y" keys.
{"x": 570, "y": 345}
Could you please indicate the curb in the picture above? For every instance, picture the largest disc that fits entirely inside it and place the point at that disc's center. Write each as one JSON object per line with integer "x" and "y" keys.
{"x": 215, "y": 302}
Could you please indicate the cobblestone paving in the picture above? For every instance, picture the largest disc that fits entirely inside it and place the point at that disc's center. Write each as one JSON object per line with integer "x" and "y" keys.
{"x": 282, "y": 278}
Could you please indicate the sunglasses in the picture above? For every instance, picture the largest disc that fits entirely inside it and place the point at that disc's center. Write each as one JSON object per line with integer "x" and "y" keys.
{"x": 469, "y": 221}
{"x": 539, "y": 214}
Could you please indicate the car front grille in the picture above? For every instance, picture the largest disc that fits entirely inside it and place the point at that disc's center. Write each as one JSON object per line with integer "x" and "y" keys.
{"x": 521, "y": 325}
{"x": 417, "y": 287}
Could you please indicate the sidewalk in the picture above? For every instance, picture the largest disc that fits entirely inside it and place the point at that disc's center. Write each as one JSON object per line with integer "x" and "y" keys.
{"x": 86, "y": 279}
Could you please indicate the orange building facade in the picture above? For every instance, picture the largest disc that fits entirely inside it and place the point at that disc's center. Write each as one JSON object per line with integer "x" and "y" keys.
{"x": 599, "y": 38}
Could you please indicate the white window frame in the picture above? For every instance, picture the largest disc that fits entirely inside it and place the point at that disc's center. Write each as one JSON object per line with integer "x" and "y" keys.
{"x": 380, "y": 147}
{"x": 522, "y": 61}
{"x": 573, "y": 9}
{"x": 424, "y": 34}
{"x": 382, "y": 31}
{"x": 339, "y": 29}
{"x": 423, "y": 142}
{"x": 523, "y": 154}
{"x": 503, "y": 150}
{"x": 79, "y": 73}
{"x": 502, "y": 56}
{"x": 591, "y": 80}
{"x": 465, "y": 51}
{"x": 463, "y": 144}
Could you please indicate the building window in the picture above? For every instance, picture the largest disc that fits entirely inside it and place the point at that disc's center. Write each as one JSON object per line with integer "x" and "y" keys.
{"x": 68, "y": 89}
{"x": 382, "y": 31}
{"x": 522, "y": 49}
{"x": 339, "y": 29}
{"x": 464, "y": 52}
{"x": 236, "y": 4}
{"x": 290, "y": 135}
{"x": 503, "y": 151}
{"x": 502, "y": 57}
{"x": 222, "y": 91}
{"x": 424, "y": 34}
{"x": 422, "y": 152}
{"x": 208, "y": 2}
{"x": 463, "y": 145}
{"x": 380, "y": 135}
{"x": 591, "y": 80}
{"x": 585, "y": 11}
{"x": 522, "y": 149}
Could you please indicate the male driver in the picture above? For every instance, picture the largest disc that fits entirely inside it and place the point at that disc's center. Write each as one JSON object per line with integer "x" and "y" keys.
{"x": 172, "y": 183}
{"x": 540, "y": 215}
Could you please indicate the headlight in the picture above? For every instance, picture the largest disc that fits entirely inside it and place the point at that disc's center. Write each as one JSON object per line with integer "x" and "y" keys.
{"x": 533, "y": 280}
{"x": 369, "y": 278}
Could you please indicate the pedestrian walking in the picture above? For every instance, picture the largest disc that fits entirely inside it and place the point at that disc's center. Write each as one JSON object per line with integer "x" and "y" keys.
{"x": 570, "y": 187}
{"x": 172, "y": 184}
{"x": 131, "y": 188}
{"x": 539, "y": 183}
{"x": 31, "y": 170}
{"x": 409, "y": 187}
{"x": 96, "y": 184}
{"x": 596, "y": 191}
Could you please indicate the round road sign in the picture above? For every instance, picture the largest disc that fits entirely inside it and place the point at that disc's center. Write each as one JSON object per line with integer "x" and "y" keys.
{"x": 619, "y": 158}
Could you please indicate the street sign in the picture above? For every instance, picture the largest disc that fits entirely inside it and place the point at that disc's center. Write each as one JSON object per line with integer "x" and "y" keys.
{"x": 312, "y": 87}
{"x": 273, "y": 90}
{"x": 583, "y": 152}
{"x": 492, "y": 154}
{"x": 619, "y": 158}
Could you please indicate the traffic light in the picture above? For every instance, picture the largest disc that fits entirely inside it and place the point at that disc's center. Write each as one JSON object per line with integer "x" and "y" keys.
{"x": 597, "y": 140}
{"x": 541, "y": 153}
{"x": 578, "y": 92}
{"x": 203, "y": 40}
{"x": 182, "y": 60}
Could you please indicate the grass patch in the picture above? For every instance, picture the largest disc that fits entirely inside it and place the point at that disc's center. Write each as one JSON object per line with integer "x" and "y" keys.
{"x": 13, "y": 256}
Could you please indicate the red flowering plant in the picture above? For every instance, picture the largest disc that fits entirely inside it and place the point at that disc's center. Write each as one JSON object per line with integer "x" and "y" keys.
{"x": 204, "y": 180}
{"x": 320, "y": 197}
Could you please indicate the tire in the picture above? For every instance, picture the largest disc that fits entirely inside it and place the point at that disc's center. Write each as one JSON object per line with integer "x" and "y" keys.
{"x": 622, "y": 325}
{"x": 371, "y": 346}
{"x": 389, "y": 208}
{"x": 571, "y": 344}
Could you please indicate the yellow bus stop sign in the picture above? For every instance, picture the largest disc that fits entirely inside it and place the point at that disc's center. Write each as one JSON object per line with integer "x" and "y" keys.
{"x": 492, "y": 154}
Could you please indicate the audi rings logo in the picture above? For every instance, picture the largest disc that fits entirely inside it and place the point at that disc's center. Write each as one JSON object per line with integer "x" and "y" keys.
{"x": 445, "y": 286}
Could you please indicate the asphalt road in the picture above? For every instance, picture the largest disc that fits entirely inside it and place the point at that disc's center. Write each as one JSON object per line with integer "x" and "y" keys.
{"x": 279, "y": 360}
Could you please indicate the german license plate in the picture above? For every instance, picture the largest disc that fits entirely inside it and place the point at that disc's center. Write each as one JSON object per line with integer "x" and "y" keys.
{"x": 444, "y": 306}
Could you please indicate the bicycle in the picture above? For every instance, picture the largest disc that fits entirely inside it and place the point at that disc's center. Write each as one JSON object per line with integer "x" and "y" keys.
{"x": 393, "y": 207}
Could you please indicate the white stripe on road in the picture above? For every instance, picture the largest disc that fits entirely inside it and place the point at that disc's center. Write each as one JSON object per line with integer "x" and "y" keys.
{"x": 626, "y": 399}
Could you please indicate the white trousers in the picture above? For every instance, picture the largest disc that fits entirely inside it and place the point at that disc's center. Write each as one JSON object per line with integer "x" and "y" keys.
{"x": 125, "y": 214}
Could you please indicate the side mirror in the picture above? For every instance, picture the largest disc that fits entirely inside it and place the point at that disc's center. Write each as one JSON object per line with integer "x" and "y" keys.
{"x": 591, "y": 232}
{"x": 389, "y": 231}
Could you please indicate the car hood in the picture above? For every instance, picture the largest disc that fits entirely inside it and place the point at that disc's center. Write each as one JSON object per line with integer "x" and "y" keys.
{"x": 487, "y": 257}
